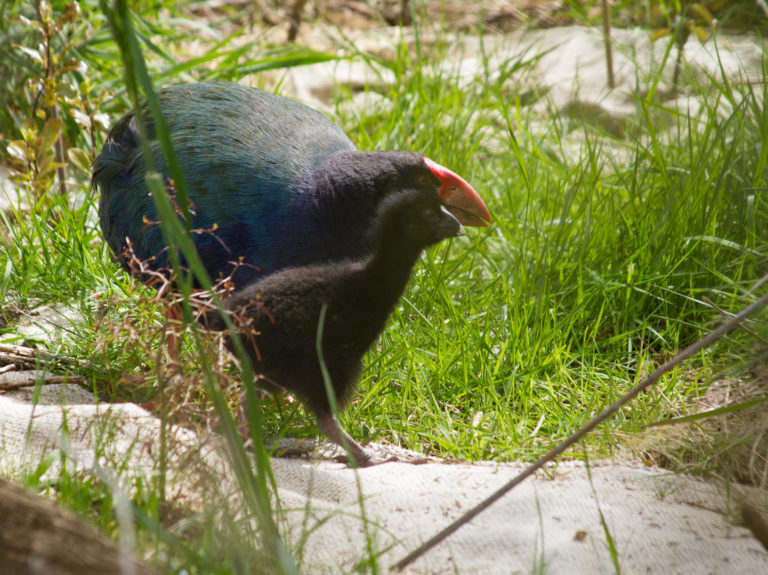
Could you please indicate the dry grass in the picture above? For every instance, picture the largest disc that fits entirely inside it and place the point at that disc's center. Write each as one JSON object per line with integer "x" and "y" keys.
{"x": 732, "y": 445}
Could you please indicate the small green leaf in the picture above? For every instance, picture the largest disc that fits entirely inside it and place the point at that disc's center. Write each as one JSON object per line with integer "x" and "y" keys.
{"x": 79, "y": 159}
{"x": 50, "y": 132}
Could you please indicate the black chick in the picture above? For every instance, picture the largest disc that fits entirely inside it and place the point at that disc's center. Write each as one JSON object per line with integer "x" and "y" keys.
{"x": 279, "y": 315}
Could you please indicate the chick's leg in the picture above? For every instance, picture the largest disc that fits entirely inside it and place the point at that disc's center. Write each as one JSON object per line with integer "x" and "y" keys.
{"x": 335, "y": 432}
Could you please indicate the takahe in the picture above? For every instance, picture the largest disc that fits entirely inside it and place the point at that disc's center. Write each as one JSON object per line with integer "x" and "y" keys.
{"x": 278, "y": 316}
{"x": 271, "y": 182}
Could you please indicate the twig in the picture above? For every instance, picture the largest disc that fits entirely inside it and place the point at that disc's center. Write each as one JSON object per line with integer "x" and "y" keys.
{"x": 14, "y": 359}
{"x": 689, "y": 351}
{"x": 17, "y": 349}
{"x": 59, "y": 154}
{"x": 294, "y": 19}
{"x": 762, "y": 280}
{"x": 28, "y": 356}
{"x": 33, "y": 377}
{"x": 608, "y": 45}
{"x": 405, "y": 13}
{"x": 728, "y": 315}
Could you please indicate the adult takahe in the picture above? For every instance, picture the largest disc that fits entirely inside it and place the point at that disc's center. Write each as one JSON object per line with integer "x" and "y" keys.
{"x": 279, "y": 315}
{"x": 271, "y": 182}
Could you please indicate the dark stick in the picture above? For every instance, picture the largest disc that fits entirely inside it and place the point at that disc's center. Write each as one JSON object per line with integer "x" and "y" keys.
{"x": 294, "y": 19}
{"x": 608, "y": 46}
{"x": 692, "y": 349}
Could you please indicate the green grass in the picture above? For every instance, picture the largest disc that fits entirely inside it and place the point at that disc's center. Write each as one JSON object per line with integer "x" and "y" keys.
{"x": 507, "y": 340}
{"x": 595, "y": 265}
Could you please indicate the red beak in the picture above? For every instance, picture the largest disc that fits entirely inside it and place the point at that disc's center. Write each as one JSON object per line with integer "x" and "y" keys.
{"x": 459, "y": 197}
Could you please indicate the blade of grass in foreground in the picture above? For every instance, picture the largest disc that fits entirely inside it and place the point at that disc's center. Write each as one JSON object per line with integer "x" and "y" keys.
{"x": 253, "y": 486}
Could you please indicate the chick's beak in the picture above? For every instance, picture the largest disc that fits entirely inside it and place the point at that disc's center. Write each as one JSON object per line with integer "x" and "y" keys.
{"x": 459, "y": 197}
{"x": 449, "y": 226}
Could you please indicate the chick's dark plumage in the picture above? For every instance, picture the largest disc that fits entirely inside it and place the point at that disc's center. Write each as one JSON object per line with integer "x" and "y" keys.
{"x": 283, "y": 310}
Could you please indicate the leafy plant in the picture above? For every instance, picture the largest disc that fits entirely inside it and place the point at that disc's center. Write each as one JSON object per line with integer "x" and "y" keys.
{"x": 56, "y": 106}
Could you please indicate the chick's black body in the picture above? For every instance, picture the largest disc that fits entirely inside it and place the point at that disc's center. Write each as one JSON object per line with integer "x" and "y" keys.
{"x": 281, "y": 312}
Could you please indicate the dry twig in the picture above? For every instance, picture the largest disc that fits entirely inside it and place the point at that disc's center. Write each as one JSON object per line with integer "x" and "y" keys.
{"x": 21, "y": 379}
